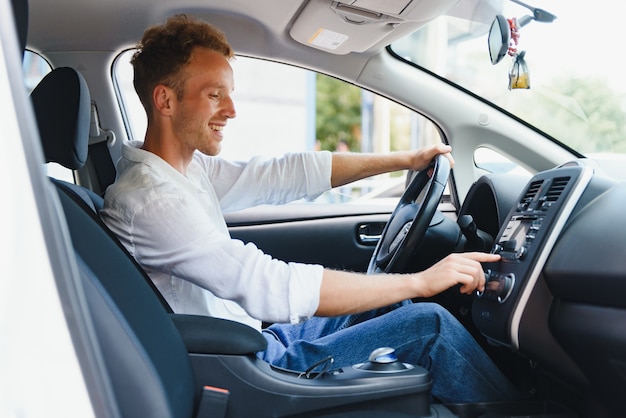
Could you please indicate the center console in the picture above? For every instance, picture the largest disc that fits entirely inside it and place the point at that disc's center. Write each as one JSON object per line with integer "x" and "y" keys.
{"x": 524, "y": 243}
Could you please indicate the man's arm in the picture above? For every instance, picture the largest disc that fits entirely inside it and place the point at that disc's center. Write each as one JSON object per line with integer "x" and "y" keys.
{"x": 344, "y": 293}
{"x": 349, "y": 167}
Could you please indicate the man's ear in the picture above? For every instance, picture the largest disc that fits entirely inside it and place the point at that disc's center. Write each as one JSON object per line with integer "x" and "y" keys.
{"x": 163, "y": 99}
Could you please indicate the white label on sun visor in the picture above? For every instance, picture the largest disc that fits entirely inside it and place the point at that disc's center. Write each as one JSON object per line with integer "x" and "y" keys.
{"x": 328, "y": 39}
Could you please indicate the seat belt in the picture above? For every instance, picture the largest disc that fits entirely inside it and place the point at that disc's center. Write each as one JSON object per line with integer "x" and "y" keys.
{"x": 213, "y": 402}
{"x": 100, "y": 140}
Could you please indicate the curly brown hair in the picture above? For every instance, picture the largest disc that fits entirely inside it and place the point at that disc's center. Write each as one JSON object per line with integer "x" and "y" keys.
{"x": 166, "y": 48}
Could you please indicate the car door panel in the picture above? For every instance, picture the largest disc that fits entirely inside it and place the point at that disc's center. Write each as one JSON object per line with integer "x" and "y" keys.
{"x": 336, "y": 236}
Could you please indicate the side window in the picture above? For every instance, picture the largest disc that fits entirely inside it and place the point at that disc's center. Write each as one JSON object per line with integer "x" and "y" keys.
{"x": 281, "y": 108}
{"x": 34, "y": 68}
{"x": 132, "y": 111}
{"x": 491, "y": 161}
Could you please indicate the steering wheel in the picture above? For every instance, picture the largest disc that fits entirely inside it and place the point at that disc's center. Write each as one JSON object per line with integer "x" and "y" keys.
{"x": 410, "y": 219}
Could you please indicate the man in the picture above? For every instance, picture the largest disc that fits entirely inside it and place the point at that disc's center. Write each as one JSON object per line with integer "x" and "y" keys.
{"x": 166, "y": 207}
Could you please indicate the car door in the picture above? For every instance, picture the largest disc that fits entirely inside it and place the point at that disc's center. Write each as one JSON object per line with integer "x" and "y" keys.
{"x": 336, "y": 236}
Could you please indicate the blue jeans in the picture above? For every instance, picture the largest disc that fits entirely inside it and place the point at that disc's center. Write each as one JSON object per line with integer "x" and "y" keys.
{"x": 424, "y": 334}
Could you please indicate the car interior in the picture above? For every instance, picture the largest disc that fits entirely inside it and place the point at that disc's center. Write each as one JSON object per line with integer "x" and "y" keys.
{"x": 220, "y": 351}
{"x": 548, "y": 316}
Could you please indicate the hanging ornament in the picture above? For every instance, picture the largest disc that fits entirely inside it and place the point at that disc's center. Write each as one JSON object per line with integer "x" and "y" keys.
{"x": 518, "y": 76}
{"x": 514, "y": 39}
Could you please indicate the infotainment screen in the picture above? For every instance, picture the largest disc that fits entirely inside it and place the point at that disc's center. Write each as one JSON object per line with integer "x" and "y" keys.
{"x": 516, "y": 234}
{"x": 519, "y": 234}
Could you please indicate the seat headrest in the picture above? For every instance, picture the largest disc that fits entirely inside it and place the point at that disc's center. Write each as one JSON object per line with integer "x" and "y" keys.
{"x": 20, "y": 14}
{"x": 62, "y": 107}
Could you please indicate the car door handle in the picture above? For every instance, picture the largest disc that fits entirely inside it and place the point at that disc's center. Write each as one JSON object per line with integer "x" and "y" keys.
{"x": 370, "y": 233}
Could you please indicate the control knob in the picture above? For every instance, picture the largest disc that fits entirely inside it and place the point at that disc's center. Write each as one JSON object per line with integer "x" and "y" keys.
{"x": 383, "y": 359}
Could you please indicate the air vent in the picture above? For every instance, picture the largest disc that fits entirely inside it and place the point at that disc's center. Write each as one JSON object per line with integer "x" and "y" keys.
{"x": 556, "y": 188}
{"x": 532, "y": 190}
{"x": 530, "y": 194}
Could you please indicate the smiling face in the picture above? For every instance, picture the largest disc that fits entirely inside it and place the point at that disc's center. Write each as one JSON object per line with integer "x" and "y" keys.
{"x": 206, "y": 103}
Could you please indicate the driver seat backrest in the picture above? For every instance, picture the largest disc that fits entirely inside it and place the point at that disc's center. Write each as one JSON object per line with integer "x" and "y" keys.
{"x": 62, "y": 106}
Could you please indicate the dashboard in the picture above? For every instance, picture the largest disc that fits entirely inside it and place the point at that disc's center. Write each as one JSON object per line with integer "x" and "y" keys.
{"x": 557, "y": 270}
{"x": 524, "y": 242}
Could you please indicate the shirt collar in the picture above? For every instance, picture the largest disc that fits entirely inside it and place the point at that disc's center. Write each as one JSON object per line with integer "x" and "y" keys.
{"x": 134, "y": 154}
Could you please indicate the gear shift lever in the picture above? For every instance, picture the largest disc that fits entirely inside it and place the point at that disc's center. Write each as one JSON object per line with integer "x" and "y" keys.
{"x": 383, "y": 359}
{"x": 477, "y": 240}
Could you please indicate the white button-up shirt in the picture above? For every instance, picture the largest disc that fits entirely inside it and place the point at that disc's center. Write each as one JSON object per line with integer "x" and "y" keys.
{"x": 174, "y": 227}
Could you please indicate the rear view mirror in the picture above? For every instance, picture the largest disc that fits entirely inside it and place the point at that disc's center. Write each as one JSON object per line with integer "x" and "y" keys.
{"x": 499, "y": 38}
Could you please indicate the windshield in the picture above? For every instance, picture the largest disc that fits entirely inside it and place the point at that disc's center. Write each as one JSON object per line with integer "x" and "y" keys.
{"x": 576, "y": 84}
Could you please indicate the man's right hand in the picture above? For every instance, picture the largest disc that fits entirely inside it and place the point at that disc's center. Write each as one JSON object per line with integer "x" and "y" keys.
{"x": 457, "y": 268}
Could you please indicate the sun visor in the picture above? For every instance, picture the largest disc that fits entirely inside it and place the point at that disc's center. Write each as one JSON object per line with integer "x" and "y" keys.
{"x": 341, "y": 27}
